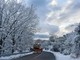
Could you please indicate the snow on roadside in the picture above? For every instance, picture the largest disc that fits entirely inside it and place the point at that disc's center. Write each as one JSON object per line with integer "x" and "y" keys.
{"x": 60, "y": 56}
{"x": 14, "y": 56}
{"x": 64, "y": 57}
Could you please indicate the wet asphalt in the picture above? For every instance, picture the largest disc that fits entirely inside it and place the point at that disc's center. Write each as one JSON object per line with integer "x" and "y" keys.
{"x": 35, "y": 56}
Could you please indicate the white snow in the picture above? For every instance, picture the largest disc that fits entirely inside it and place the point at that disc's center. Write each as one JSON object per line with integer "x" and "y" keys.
{"x": 14, "y": 56}
{"x": 64, "y": 57}
{"x": 60, "y": 56}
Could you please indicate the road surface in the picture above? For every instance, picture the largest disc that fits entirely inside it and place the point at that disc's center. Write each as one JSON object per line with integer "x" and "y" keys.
{"x": 42, "y": 56}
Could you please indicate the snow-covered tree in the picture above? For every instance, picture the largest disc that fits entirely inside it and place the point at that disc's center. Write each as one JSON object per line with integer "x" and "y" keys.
{"x": 76, "y": 46}
{"x": 55, "y": 43}
{"x": 69, "y": 42}
{"x": 52, "y": 38}
{"x": 17, "y": 26}
{"x": 46, "y": 44}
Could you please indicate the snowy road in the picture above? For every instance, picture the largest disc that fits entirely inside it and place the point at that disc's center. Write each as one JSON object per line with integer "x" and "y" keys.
{"x": 42, "y": 56}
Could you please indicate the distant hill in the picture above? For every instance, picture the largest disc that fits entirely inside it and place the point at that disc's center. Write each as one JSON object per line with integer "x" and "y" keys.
{"x": 41, "y": 36}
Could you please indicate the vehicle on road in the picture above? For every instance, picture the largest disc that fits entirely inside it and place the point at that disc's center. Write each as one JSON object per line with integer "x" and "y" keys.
{"x": 37, "y": 48}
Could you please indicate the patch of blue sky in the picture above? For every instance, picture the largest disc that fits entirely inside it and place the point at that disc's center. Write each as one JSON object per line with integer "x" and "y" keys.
{"x": 61, "y": 2}
{"x": 39, "y": 3}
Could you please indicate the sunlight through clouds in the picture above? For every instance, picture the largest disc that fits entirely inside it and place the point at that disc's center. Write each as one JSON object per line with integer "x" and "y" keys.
{"x": 57, "y": 13}
{"x": 64, "y": 16}
{"x": 53, "y": 3}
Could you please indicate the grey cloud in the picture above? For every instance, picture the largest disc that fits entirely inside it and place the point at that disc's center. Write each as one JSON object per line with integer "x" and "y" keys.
{"x": 69, "y": 11}
{"x": 49, "y": 28}
{"x": 73, "y": 8}
{"x": 52, "y": 29}
{"x": 38, "y": 3}
{"x": 71, "y": 27}
{"x": 75, "y": 5}
{"x": 42, "y": 7}
{"x": 43, "y": 10}
{"x": 56, "y": 8}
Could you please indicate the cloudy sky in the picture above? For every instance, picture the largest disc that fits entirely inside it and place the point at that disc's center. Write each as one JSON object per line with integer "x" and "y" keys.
{"x": 57, "y": 16}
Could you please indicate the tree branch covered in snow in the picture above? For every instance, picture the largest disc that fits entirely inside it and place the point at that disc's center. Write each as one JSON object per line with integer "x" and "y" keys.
{"x": 17, "y": 26}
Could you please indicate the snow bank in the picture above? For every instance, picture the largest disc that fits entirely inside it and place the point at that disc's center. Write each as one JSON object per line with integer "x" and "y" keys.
{"x": 60, "y": 56}
{"x": 64, "y": 57}
{"x": 14, "y": 56}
